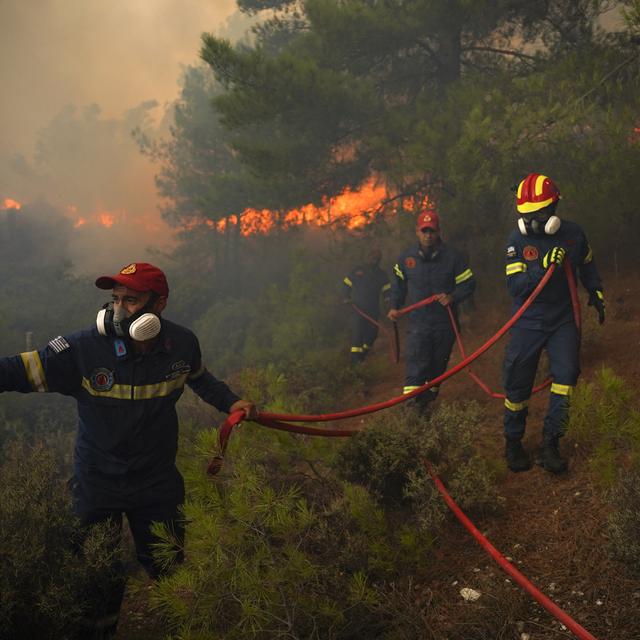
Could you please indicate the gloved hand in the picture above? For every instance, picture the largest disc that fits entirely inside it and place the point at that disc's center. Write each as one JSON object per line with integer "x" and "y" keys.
{"x": 596, "y": 299}
{"x": 553, "y": 256}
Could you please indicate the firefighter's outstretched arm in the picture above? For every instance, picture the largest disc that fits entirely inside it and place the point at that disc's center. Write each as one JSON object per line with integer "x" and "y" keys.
{"x": 50, "y": 369}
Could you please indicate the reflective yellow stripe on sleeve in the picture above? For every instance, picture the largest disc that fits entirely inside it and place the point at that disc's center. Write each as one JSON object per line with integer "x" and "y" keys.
{"x": 357, "y": 350}
{"x": 406, "y": 390}
{"x": 386, "y": 287}
{"x": 465, "y": 275}
{"x": 589, "y": 257}
{"x": 34, "y": 370}
{"x": 398, "y": 271}
{"x": 348, "y": 282}
{"x": 562, "y": 389}
{"x": 516, "y": 267}
{"x": 515, "y": 406}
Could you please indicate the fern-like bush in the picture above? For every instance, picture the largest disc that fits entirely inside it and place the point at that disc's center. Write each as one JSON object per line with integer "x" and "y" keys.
{"x": 262, "y": 563}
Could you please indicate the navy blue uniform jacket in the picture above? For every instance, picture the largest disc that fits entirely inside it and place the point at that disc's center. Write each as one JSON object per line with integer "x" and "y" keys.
{"x": 126, "y": 403}
{"x": 363, "y": 286}
{"x": 418, "y": 276}
{"x": 552, "y": 308}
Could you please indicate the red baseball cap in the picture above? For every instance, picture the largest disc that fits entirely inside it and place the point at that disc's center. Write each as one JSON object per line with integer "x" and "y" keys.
{"x": 428, "y": 220}
{"x": 139, "y": 276}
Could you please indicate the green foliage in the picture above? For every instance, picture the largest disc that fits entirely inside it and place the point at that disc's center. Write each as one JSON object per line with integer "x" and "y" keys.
{"x": 52, "y": 575}
{"x": 606, "y": 423}
{"x": 387, "y": 459}
{"x": 262, "y": 563}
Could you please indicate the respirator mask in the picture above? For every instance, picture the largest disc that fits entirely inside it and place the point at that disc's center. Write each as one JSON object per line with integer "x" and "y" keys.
{"x": 141, "y": 325}
{"x": 540, "y": 222}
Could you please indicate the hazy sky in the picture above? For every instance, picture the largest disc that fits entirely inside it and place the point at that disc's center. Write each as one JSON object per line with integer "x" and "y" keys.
{"x": 115, "y": 54}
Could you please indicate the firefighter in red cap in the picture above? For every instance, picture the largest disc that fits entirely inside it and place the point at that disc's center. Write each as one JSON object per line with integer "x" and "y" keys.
{"x": 126, "y": 374}
{"x": 362, "y": 287}
{"x": 541, "y": 240}
{"x": 429, "y": 268}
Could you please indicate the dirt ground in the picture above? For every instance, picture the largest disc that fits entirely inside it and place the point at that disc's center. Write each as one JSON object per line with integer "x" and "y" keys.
{"x": 552, "y": 528}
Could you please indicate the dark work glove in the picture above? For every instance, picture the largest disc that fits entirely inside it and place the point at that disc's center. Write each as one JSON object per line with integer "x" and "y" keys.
{"x": 553, "y": 256}
{"x": 596, "y": 299}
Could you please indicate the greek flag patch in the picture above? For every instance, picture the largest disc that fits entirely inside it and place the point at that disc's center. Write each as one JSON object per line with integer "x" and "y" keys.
{"x": 59, "y": 344}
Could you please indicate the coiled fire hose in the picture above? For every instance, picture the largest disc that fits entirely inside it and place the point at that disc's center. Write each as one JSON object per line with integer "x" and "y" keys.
{"x": 279, "y": 421}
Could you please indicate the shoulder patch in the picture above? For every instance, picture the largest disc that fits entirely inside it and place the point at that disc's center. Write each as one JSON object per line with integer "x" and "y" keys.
{"x": 410, "y": 262}
{"x": 511, "y": 251}
{"x": 59, "y": 344}
{"x": 530, "y": 253}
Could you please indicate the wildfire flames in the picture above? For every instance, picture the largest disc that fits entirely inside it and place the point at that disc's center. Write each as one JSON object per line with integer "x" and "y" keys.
{"x": 10, "y": 203}
{"x": 350, "y": 210}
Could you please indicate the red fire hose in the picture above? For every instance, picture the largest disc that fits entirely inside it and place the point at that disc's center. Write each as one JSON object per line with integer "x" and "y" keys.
{"x": 523, "y": 581}
{"x": 351, "y": 413}
{"x": 277, "y": 421}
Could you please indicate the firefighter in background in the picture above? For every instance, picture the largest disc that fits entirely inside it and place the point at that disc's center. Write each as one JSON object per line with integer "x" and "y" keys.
{"x": 126, "y": 373}
{"x": 363, "y": 287}
{"x": 429, "y": 268}
{"x": 540, "y": 240}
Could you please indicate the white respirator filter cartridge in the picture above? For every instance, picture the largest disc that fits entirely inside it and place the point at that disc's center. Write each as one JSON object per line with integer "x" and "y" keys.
{"x": 146, "y": 327}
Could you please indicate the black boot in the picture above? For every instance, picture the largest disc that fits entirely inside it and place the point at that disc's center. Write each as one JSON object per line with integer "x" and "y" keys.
{"x": 517, "y": 457}
{"x": 550, "y": 458}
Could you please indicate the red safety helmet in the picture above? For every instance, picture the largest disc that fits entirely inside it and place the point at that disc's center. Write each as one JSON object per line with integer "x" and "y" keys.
{"x": 536, "y": 192}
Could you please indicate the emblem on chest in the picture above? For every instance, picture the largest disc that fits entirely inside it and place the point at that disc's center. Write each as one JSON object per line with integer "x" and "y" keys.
{"x": 102, "y": 379}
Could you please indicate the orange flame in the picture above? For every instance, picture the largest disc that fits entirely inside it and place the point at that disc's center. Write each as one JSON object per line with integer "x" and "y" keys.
{"x": 350, "y": 209}
{"x": 10, "y": 203}
{"x": 106, "y": 219}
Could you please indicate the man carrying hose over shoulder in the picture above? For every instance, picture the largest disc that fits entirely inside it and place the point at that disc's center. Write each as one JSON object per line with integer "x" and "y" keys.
{"x": 540, "y": 241}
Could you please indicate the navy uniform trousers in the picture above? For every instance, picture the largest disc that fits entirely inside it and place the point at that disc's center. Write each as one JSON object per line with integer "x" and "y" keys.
{"x": 520, "y": 364}
{"x": 427, "y": 355}
{"x": 363, "y": 336}
{"x": 98, "y": 498}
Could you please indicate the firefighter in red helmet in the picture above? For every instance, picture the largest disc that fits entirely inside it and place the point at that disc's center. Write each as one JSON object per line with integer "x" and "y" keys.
{"x": 543, "y": 239}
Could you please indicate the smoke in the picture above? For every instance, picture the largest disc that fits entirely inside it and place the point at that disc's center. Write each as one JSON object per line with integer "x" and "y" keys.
{"x": 77, "y": 78}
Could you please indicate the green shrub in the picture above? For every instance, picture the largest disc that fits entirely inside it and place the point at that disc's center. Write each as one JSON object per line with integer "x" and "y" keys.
{"x": 606, "y": 425}
{"x": 387, "y": 459}
{"x": 49, "y": 570}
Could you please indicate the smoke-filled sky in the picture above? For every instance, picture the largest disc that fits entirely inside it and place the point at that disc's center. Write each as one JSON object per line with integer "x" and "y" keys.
{"x": 77, "y": 75}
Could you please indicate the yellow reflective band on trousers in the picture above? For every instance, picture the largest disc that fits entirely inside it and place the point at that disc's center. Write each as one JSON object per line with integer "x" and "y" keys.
{"x": 398, "y": 271}
{"x": 34, "y": 370}
{"x": 515, "y": 406}
{"x": 386, "y": 287}
{"x": 562, "y": 389}
{"x": 516, "y": 267}
{"x": 137, "y": 392}
{"x": 348, "y": 282}
{"x": 409, "y": 389}
{"x": 465, "y": 275}
{"x": 357, "y": 350}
